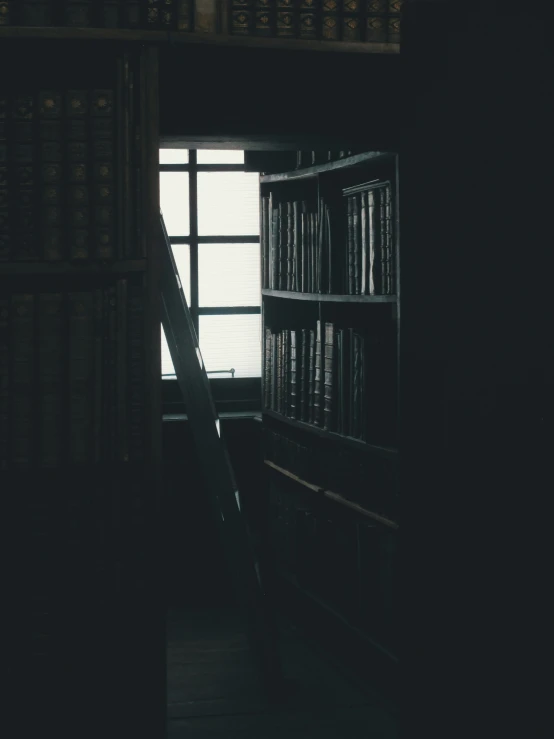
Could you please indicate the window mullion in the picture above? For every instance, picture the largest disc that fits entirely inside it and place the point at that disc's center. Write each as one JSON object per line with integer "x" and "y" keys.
{"x": 193, "y": 207}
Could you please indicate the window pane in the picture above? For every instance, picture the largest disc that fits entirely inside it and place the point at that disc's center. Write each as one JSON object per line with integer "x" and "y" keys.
{"x": 174, "y": 156}
{"x": 219, "y": 156}
{"x": 181, "y": 254}
{"x": 228, "y": 204}
{"x": 228, "y": 274}
{"x": 174, "y": 202}
{"x": 231, "y": 342}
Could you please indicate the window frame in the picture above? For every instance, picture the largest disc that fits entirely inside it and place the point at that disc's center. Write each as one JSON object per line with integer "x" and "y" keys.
{"x": 232, "y": 394}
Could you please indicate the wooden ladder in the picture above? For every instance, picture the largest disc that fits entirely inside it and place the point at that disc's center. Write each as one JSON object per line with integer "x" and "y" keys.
{"x": 216, "y": 468}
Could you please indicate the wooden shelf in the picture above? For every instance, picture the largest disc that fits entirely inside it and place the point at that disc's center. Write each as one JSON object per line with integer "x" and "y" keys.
{"x": 82, "y": 34}
{"x": 64, "y": 268}
{"x": 327, "y": 298}
{"x": 184, "y": 37}
{"x": 316, "y": 169}
{"x": 362, "y": 446}
{"x": 335, "y": 497}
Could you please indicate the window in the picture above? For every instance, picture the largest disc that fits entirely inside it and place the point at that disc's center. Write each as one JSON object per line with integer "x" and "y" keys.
{"x": 211, "y": 211}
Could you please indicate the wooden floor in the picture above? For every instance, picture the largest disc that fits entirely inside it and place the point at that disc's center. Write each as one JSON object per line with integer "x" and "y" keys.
{"x": 214, "y": 690}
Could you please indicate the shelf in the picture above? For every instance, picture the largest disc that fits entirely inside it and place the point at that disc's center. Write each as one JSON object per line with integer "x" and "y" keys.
{"x": 185, "y": 37}
{"x": 326, "y": 298}
{"x": 316, "y": 169}
{"x": 335, "y": 497}
{"x": 362, "y": 446}
{"x": 65, "y": 268}
{"x": 82, "y": 34}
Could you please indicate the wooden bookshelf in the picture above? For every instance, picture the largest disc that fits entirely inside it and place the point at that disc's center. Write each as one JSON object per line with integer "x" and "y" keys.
{"x": 358, "y": 444}
{"x": 195, "y": 38}
{"x": 327, "y": 298}
{"x": 65, "y": 268}
{"x": 330, "y": 382}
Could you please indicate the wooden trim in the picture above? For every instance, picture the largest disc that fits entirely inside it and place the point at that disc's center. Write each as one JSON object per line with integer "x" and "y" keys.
{"x": 335, "y": 497}
{"x": 362, "y": 446}
{"x": 329, "y": 298}
{"x": 306, "y": 172}
{"x": 182, "y": 37}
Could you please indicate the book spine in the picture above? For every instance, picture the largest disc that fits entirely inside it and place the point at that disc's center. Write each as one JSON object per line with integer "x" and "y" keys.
{"x": 112, "y": 373}
{"x": 279, "y": 395}
{"x": 4, "y": 381}
{"x": 330, "y": 27}
{"x": 304, "y": 251}
{"x": 78, "y": 13}
{"x": 331, "y": 274}
{"x": 320, "y": 246}
{"x": 22, "y": 342}
{"x": 304, "y": 374}
{"x": 78, "y": 175}
{"x": 313, "y": 240}
{"x": 388, "y": 251}
{"x": 168, "y": 15}
{"x": 131, "y": 14}
{"x": 50, "y": 141}
{"x": 136, "y": 373}
{"x": 383, "y": 240}
{"x": 283, "y": 247}
{"x": 5, "y": 16}
{"x": 308, "y": 20}
{"x": 357, "y": 387}
{"x": 102, "y": 131}
{"x": 376, "y": 21}
{"x": 125, "y": 248}
{"x": 290, "y": 246}
{"x": 274, "y": 370}
{"x": 373, "y": 265}
{"x": 356, "y": 246}
{"x": 318, "y": 376}
{"x": 184, "y": 15}
{"x": 351, "y": 380}
{"x": 266, "y": 225}
{"x": 293, "y": 404}
{"x": 297, "y": 247}
{"x": 50, "y": 356}
{"x": 267, "y": 369}
{"x": 23, "y": 170}
{"x": 4, "y": 194}
{"x": 364, "y": 273}
{"x": 311, "y": 376}
{"x": 286, "y": 373}
{"x": 340, "y": 382}
{"x": 350, "y": 245}
{"x": 80, "y": 375}
{"x": 329, "y": 378}
{"x": 275, "y": 261}
{"x": 36, "y": 13}
{"x": 111, "y": 15}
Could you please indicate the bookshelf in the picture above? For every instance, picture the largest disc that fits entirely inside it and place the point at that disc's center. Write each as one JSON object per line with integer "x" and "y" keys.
{"x": 330, "y": 340}
{"x": 80, "y": 415}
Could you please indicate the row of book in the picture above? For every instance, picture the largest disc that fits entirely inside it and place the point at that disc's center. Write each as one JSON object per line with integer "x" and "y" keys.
{"x": 310, "y": 158}
{"x": 336, "y": 378}
{"x": 66, "y": 174}
{"x": 375, "y": 21}
{"x": 371, "y": 264}
{"x": 72, "y": 378}
{"x": 296, "y": 246}
{"x": 300, "y": 250}
{"x": 146, "y": 14}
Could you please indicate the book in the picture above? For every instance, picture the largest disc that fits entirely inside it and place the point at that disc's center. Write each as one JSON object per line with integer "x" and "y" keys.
{"x": 313, "y": 250}
{"x": 4, "y": 381}
{"x": 286, "y": 26}
{"x": 274, "y": 366}
{"x": 350, "y": 245}
{"x": 22, "y": 374}
{"x": 24, "y": 247}
{"x": 80, "y": 306}
{"x": 78, "y": 200}
{"x": 344, "y": 389}
{"x": 132, "y": 14}
{"x": 78, "y": 13}
{"x": 303, "y": 414}
{"x": 50, "y": 377}
{"x": 373, "y": 263}
{"x": 267, "y": 368}
{"x": 122, "y": 369}
{"x": 318, "y": 376}
{"x": 286, "y": 378}
{"x": 5, "y": 17}
{"x": 266, "y": 242}
{"x": 311, "y": 376}
{"x": 279, "y": 378}
{"x": 36, "y": 12}
{"x": 364, "y": 248}
{"x": 305, "y": 253}
{"x": 297, "y": 246}
{"x": 52, "y": 201}
{"x": 103, "y": 174}
{"x": 290, "y": 246}
{"x": 111, "y": 13}
{"x": 329, "y": 377}
{"x": 356, "y": 246}
{"x": 293, "y": 390}
{"x": 330, "y": 20}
